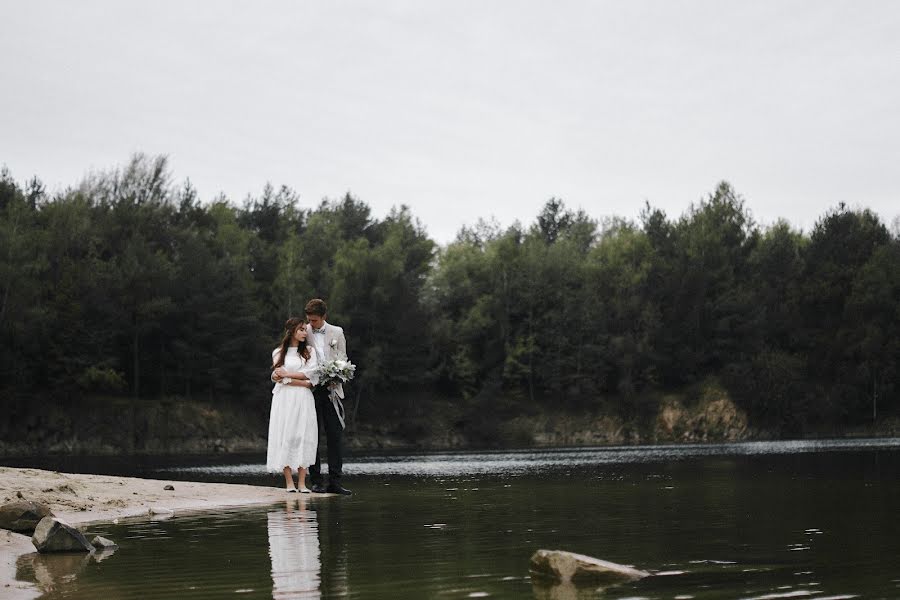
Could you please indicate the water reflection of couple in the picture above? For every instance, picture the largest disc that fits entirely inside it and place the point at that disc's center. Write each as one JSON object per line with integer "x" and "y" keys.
{"x": 294, "y": 550}
{"x": 299, "y": 407}
{"x": 301, "y": 567}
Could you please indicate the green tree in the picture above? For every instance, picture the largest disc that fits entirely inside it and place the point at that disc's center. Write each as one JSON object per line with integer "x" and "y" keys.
{"x": 841, "y": 244}
{"x": 23, "y": 263}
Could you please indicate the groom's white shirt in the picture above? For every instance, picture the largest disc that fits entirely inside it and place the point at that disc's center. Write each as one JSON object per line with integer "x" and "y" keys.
{"x": 318, "y": 340}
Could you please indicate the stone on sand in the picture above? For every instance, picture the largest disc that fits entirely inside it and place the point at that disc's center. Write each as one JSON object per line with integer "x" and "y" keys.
{"x": 22, "y": 516}
{"x": 55, "y": 535}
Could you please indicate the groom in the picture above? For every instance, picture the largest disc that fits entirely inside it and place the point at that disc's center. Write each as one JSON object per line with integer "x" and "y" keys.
{"x": 329, "y": 343}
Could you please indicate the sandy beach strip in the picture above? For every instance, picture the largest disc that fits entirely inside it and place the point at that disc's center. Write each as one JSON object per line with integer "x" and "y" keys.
{"x": 80, "y": 499}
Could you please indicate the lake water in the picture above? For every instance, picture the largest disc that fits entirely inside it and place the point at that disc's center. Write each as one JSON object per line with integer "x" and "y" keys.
{"x": 757, "y": 520}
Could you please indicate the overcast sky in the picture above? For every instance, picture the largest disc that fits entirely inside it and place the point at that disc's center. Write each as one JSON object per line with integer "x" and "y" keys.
{"x": 465, "y": 109}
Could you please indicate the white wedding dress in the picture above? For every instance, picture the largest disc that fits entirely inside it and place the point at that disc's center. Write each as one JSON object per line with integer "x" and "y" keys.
{"x": 293, "y": 428}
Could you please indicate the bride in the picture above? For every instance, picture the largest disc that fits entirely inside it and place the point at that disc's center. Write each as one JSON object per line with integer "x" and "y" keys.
{"x": 293, "y": 428}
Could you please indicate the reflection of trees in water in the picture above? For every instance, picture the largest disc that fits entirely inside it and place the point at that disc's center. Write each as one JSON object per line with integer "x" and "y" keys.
{"x": 294, "y": 550}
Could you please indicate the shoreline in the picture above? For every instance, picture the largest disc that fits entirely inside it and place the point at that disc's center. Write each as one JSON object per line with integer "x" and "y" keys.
{"x": 390, "y": 444}
{"x": 707, "y": 414}
{"x": 81, "y": 499}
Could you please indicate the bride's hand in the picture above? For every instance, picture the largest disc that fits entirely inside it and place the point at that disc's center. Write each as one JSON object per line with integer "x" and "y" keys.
{"x": 281, "y": 372}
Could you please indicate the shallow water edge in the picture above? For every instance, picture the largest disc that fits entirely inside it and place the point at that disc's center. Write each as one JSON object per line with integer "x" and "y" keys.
{"x": 746, "y": 520}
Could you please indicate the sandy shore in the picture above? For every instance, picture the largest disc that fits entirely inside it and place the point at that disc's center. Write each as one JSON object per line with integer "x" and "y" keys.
{"x": 80, "y": 499}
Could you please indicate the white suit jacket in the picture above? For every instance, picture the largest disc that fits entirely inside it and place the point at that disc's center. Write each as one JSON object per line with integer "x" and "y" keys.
{"x": 335, "y": 347}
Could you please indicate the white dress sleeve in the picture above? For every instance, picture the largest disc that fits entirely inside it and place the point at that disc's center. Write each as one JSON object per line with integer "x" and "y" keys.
{"x": 310, "y": 367}
{"x": 275, "y": 353}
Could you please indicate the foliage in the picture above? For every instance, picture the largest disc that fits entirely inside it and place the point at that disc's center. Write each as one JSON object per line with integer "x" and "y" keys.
{"x": 129, "y": 284}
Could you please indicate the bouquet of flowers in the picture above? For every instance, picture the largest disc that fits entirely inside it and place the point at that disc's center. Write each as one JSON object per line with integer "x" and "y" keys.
{"x": 339, "y": 370}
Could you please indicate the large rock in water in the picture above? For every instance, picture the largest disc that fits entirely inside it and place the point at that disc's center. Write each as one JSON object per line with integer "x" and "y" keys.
{"x": 54, "y": 535}
{"x": 22, "y": 516}
{"x": 567, "y": 567}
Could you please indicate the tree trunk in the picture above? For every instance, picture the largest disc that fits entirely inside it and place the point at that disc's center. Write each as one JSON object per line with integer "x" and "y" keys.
{"x": 15, "y": 228}
{"x": 162, "y": 366}
{"x": 356, "y": 406}
{"x": 135, "y": 389}
{"x": 530, "y": 355}
{"x": 874, "y": 398}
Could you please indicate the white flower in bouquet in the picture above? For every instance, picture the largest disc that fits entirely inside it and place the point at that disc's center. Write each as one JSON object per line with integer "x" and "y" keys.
{"x": 337, "y": 370}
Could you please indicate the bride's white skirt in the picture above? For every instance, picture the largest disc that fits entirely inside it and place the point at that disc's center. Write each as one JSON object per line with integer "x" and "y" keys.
{"x": 293, "y": 429}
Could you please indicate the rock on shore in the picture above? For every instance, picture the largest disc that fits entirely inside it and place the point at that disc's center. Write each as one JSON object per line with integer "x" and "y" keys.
{"x": 23, "y": 516}
{"x": 55, "y": 535}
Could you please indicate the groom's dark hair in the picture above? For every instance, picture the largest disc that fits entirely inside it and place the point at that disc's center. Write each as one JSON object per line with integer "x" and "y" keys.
{"x": 316, "y": 306}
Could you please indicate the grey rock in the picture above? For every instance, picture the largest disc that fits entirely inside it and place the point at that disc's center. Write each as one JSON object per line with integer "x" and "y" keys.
{"x": 101, "y": 542}
{"x": 23, "y": 516}
{"x": 55, "y": 535}
{"x": 567, "y": 567}
{"x": 169, "y": 488}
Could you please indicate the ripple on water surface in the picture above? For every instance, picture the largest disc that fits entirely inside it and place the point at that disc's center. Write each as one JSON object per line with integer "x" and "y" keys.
{"x": 754, "y": 521}
{"x": 526, "y": 461}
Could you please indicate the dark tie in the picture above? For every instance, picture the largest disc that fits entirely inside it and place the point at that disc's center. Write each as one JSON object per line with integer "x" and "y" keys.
{"x": 318, "y": 330}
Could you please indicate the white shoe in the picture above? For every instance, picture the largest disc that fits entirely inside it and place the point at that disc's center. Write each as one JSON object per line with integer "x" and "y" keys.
{"x": 304, "y": 490}
{"x": 291, "y": 490}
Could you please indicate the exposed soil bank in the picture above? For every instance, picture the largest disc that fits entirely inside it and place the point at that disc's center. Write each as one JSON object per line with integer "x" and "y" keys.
{"x": 106, "y": 426}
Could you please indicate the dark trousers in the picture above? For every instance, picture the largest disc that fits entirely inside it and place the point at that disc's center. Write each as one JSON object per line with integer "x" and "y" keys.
{"x": 334, "y": 438}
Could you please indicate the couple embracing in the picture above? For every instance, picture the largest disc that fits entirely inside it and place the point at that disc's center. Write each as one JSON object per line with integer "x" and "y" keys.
{"x": 301, "y": 402}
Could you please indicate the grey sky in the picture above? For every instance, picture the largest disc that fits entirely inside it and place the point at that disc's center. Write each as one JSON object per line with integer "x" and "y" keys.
{"x": 467, "y": 109}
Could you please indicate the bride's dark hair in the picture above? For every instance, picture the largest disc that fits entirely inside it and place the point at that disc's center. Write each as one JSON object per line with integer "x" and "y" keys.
{"x": 290, "y": 326}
